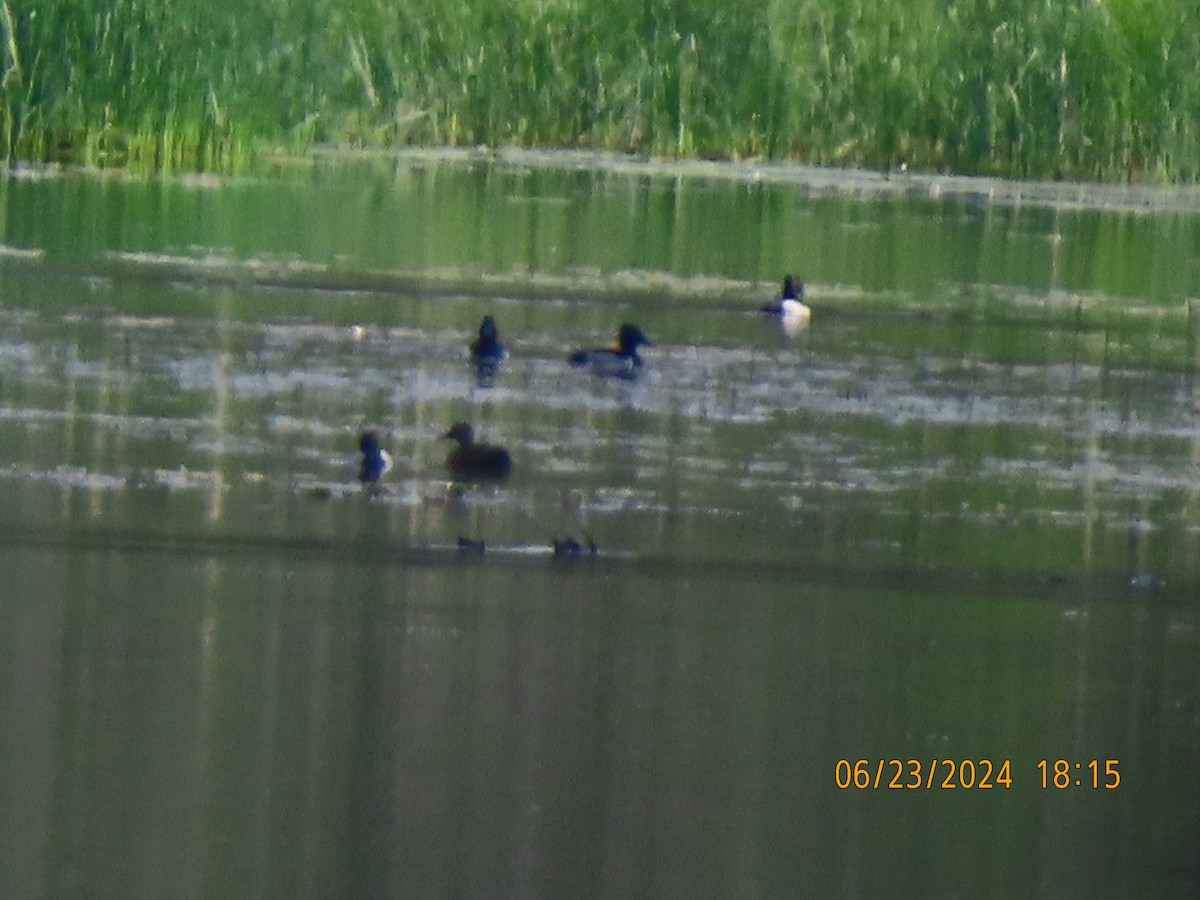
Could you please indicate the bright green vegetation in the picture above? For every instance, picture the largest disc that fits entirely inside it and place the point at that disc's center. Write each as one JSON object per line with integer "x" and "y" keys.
{"x": 1104, "y": 89}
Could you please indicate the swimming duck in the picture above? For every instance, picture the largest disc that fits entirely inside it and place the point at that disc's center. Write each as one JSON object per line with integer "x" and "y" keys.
{"x": 486, "y": 350}
{"x": 472, "y": 460}
{"x": 375, "y": 462}
{"x": 620, "y": 362}
{"x": 788, "y": 307}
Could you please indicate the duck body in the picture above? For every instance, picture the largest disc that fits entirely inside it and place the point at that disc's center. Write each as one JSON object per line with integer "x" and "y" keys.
{"x": 789, "y": 307}
{"x": 487, "y": 344}
{"x": 486, "y": 350}
{"x": 621, "y": 361}
{"x": 375, "y": 462}
{"x": 473, "y": 460}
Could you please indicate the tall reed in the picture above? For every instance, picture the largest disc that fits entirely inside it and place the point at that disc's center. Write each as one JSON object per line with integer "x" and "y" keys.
{"x": 1105, "y": 89}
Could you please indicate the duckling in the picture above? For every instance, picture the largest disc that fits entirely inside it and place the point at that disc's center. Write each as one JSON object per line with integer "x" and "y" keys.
{"x": 619, "y": 362}
{"x": 375, "y": 461}
{"x": 788, "y": 308}
{"x": 475, "y": 461}
{"x": 486, "y": 350}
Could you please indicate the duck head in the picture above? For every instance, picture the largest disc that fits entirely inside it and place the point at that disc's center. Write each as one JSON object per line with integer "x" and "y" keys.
{"x": 792, "y": 290}
{"x": 461, "y": 433}
{"x": 630, "y": 337}
{"x": 487, "y": 330}
{"x": 368, "y": 443}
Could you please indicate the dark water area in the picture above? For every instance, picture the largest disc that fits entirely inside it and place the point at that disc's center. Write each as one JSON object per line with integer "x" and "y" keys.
{"x": 955, "y": 518}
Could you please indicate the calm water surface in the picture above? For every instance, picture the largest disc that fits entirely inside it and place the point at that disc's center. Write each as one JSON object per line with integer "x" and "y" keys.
{"x": 957, "y": 518}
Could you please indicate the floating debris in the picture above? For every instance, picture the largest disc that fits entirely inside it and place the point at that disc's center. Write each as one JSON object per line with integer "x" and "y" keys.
{"x": 468, "y": 546}
{"x": 571, "y": 548}
{"x": 1146, "y": 581}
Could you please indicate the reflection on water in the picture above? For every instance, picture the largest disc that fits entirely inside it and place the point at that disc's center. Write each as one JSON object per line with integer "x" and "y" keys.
{"x": 956, "y": 518}
{"x": 315, "y": 727}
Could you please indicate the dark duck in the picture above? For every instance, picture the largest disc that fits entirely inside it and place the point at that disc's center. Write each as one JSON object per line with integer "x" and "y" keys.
{"x": 475, "y": 461}
{"x": 621, "y": 361}
{"x": 375, "y": 461}
{"x": 486, "y": 350}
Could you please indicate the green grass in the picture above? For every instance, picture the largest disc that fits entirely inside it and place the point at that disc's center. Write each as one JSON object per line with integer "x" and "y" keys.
{"x": 1093, "y": 89}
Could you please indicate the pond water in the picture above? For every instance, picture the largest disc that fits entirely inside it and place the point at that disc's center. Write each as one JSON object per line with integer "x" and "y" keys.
{"x": 956, "y": 518}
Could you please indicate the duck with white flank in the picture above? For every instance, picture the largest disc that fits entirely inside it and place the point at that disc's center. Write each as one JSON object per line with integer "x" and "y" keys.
{"x": 788, "y": 307}
{"x": 375, "y": 461}
{"x": 475, "y": 461}
{"x": 621, "y": 361}
{"x": 486, "y": 350}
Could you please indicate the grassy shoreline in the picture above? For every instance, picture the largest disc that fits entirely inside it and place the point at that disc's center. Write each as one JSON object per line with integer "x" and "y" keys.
{"x": 1105, "y": 90}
